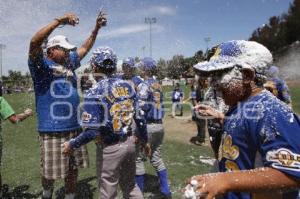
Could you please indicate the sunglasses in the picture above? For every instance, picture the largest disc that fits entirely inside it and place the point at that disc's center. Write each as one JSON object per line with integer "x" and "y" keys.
{"x": 61, "y": 48}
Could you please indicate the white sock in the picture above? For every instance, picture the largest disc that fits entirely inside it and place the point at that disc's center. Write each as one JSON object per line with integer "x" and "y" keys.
{"x": 70, "y": 196}
{"x": 47, "y": 193}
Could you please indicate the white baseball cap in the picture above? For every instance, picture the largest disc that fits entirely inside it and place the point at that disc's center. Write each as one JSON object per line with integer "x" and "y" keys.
{"x": 61, "y": 41}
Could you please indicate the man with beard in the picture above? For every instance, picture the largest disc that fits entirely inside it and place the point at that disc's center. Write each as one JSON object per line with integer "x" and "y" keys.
{"x": 256, "y": 123}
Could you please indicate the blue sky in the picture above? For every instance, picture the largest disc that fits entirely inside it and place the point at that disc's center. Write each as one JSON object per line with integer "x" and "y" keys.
{"x": 181, "y": 25}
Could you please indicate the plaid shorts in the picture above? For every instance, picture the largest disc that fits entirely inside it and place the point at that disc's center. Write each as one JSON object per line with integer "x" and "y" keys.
{"x": 55, "y": 164}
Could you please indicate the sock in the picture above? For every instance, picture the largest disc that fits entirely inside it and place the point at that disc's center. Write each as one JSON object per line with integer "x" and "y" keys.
{"x": 139, "y": 179}
{"x": 70, "y": 196}
{"x": 47, "y": 193}
{"x": 163, "y": 180}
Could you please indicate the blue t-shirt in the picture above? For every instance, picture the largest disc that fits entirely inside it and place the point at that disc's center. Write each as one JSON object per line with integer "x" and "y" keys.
{"x": 262, "y": 124}
{"x": 56, "y": 95}
{"x": 193, "y": 95}
{"x": 150, "y": 92}
{"x": 177, "y": 95}
{"x": 109, "y": 109}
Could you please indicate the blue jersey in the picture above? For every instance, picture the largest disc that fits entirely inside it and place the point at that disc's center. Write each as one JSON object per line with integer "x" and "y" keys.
{"x": 56, "y": 95}
{"x": 265, "y": 125}
{"x": 136, "y": 80}
{"x": 177, "y": 95}
{"x": 193, "y": 95}
{"x": 108, "y": 111}
{"x": 150, "y": 92}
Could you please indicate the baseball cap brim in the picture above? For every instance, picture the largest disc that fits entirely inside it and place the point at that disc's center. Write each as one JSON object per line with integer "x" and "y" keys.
{"x": 218, "y": 64}
{"x": 67, "y": 46}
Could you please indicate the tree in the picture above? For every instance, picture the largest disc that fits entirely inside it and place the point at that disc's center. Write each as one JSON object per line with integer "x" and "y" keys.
{"x": 175, "y": 66}
{"x": 162, "y": 69}
{"x": 280, "y": 31}
{"x": 293, "y": 22}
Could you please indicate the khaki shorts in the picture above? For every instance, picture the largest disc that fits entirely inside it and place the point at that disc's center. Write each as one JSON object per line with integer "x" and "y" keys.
{"x": 55, "y": 164}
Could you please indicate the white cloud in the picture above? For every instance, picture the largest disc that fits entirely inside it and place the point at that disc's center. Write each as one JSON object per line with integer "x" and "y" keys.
{"x": 130, "y": 29}
{"x": 164, "y": 10}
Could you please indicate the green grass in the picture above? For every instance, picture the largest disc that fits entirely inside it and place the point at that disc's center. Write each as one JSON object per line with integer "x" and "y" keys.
{"x": 168, "y": 98}
{"x": 21, "y": 158}
{"x": 295, "y": 93}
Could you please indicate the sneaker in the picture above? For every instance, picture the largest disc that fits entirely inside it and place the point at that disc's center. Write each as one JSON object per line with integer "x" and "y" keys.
{"x": 197, "y": 141}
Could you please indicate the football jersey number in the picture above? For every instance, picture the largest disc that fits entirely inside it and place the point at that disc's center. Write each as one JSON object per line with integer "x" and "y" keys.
{"x": 122, "y": 114}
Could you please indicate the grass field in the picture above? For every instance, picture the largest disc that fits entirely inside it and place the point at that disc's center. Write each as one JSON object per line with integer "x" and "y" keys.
{"x": 20, "y": 162}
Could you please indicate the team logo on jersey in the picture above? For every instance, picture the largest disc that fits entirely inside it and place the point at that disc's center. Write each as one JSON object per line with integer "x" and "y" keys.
{"x": 231, "y": 166}
{"x": 86, "y": 117}
{"x": 229, "y": 151}
{"x": 284, "y": 159}
{"x": 120, "y": 92}
{"x": 156, "y": 91}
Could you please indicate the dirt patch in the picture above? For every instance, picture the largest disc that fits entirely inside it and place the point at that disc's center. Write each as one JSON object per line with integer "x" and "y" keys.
{"x": 179, "y": 129}
{"x": 293, "y": 83}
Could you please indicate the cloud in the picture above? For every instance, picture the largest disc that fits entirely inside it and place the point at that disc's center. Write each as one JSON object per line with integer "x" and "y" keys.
{"x": 164, "y": 10}
{"x": 130, "y": 29}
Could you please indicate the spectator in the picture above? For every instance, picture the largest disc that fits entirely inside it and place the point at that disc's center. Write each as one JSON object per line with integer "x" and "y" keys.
{"x": 199, "y": 139}
{"x": 177, "y": 98}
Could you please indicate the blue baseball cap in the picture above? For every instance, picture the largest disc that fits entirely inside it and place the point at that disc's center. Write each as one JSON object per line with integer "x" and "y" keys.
{"x": 129, "y": 61}
{"x": 147, "y": 63}
{"x": 246, "y": 54}
{"x": 104, "y": 57}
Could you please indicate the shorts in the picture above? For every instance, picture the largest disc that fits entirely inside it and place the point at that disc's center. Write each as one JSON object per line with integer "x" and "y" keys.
{"x": 55, "y": 164}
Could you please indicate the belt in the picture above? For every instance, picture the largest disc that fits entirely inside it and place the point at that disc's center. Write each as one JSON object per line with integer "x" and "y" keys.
{"x": 110, "y": 140}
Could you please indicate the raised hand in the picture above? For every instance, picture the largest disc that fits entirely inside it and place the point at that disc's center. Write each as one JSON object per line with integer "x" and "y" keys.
{"x": 101, "y": 19}
{"x": 68, "y": 18}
